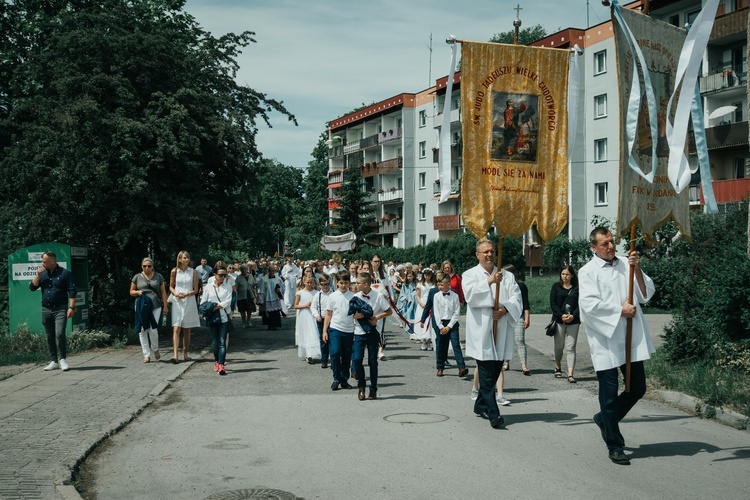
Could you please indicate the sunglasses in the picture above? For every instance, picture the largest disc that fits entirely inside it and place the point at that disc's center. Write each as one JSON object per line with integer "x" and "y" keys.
{"x": 221, "y": 275}
{"x": 147, "y": 265}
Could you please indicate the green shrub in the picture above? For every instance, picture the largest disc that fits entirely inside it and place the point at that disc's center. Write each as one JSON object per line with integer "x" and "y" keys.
{"x": 82, "y": 340}
{"x": 561, "y": 252}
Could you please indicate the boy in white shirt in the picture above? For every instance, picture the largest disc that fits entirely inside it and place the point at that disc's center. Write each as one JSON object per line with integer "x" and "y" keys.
{"x": 445, "y": 307}
{"x": 318, "y": 309}
{"x": 338, "y": 332}
{"x": 380, "y": 309}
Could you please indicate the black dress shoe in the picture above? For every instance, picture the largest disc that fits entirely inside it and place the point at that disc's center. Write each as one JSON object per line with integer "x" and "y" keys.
{"x": 372, "y": 395}
{"x": 335, "y": 386}
{"x": 345, "y": 385}
{"x": 462, "y": 372}
{"x": 601, "y": 427}
{"x": 619, "y": 457}
{"x": 324, "y": 365}
{"x": 496, "y": 423}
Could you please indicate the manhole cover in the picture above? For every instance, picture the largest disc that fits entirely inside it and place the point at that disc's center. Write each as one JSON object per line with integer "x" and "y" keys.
{"x": 253, "y": 493}
{"x": 416, "y": 418}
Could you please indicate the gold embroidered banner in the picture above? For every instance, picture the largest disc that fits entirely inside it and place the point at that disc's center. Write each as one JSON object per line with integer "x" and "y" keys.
{"x": 515, "y": 132}
{"x": 648, "y": 204}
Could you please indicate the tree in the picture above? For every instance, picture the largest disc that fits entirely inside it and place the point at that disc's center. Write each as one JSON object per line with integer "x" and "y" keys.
{"x": 123, "y": 130}
{"x": 355, "y": 210}
{"x": 526, "y": 36}
{"x": 310, "y": 223}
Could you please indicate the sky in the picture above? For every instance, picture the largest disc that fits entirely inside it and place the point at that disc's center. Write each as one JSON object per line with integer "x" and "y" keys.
{"x": 323, "y": 58}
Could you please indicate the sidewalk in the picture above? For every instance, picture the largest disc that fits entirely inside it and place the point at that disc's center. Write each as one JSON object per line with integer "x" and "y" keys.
{"x": 51, "y": 421}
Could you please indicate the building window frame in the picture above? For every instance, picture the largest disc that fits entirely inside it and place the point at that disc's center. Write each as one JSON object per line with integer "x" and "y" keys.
{"x": 422, "y": 180}
{"x": 600, "y": 62}
{"x": 422, "y": 118}
{"x": 600, "y": 150}
{"x": 423, "y": 149}
{"x": 423, "y": 211}
{"x": 600, "y": 106}
{"x": 601, "y": 194}
{"x": 422, "y": 239}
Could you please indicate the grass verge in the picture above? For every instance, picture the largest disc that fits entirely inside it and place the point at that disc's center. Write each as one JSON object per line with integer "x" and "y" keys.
{"x": 714, "y": 385}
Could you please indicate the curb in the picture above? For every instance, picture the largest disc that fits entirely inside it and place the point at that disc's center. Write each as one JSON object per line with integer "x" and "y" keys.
{"x": 63, "y": 476}
{"x": 702, "y": 410}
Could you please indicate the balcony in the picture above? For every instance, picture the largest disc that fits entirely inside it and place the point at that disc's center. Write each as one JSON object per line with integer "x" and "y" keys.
{"x": 694, "y": 195}
{"x": 335, "y": 176}
{"x": 390, "y": 226}
{"x": 391, "y": 196}
{"x": 390, "y": 135}
{"x": 455, "y": 153}
{"x": 351, "y": 147}
{"x": 446, "y": 222}
{"x": 734, "y": 23}
{"x": 734, "y": 77}
{"x": 334, "y": 203}
{"x": 728, "y": 191}
{"x": 455, "y": 187}
{"x": 336, "y": 151}
{"x": 368, "y": 142}
{"x": 383, "y": 167}
{"x": 437, "y": 120}
{"x": 727, "y": 136}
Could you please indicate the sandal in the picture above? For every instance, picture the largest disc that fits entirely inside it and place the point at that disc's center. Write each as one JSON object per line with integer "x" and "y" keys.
{"x": 558, "y": 373}
{"x": 572, "y": 379}
{"x": 173, "y": 360}
{"x": 526, "y": 372}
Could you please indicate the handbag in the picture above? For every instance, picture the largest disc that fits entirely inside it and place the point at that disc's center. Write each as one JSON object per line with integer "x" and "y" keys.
{"x": 551, "y": 327}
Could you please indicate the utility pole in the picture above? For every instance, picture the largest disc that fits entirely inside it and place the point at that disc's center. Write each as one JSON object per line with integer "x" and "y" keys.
{"x": 429, "y": 75}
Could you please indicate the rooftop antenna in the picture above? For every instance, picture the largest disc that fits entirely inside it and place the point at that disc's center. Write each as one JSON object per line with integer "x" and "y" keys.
{"x": 429, "y": 82}
{"x": 517, "y": 23}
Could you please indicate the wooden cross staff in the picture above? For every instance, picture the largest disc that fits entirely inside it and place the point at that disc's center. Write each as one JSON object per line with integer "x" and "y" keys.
{"x": 497, "y": 288}
{"x": 629, "y": 331}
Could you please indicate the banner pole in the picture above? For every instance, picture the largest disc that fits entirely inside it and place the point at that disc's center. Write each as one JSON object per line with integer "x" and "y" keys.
{"x": 629, "y": 333}
{"x": 497, "y": 287}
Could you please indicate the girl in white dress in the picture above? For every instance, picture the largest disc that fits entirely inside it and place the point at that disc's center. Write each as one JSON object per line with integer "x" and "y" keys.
{"x": 183, "y": 285}
{"x": 306, "y": 328}
{"x": 424, "y": 335}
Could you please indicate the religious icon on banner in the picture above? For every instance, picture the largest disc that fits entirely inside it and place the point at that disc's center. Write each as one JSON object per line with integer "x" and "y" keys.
{"x": 514, "y": 126}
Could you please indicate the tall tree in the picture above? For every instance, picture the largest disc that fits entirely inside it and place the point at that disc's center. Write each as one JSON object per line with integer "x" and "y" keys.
{"x": 310, "y": 223}
{"x": 123, "y": 130}
{"x": 525, "y": 35}
{"x": 356, "y": 210}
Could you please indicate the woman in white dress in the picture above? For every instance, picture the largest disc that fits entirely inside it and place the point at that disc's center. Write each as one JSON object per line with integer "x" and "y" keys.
{"x": 183, "y": 285}
{"x": 424, "y": 335}
{"x": 306, "y": 328}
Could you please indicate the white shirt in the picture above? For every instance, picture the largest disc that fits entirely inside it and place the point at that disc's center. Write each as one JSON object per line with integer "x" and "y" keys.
{"x": 480, "y": 302}
{"x": 379, "y": 305}
{"x": 319, "y": 304}
{"x": 221, "y": 294}
{"x": 603, "y": 289}
{"x": 338, "y": 304}
{"x": 446, "y": 307}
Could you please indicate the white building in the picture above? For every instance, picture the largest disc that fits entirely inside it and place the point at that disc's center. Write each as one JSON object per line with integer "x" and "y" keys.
{"x": 394, "y": 142}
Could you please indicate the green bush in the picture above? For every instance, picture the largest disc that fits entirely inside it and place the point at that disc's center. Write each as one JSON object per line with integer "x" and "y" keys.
{"x": 561, "y": 252}
{"x": 708, "y": 281}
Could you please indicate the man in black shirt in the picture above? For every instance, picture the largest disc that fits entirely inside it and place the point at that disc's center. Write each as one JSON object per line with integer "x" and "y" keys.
{"x": 58, "y": 304}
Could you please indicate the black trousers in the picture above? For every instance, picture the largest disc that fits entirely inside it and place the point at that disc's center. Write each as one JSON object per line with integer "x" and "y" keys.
{"x": 489, "y": 372}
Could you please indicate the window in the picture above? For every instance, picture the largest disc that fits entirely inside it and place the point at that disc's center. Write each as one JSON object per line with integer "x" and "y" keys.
{"x": 423, "y": 180}
{"x": 422, "y": 118}
{"x": 740, "y": 169}
{"x": 423, "y": 149}
{"x": 422, "y": 239}
{"x": 600, "y": 194}
{"x": 738, "y": 112}
{"x": 423, "y": 211}
{"x": 600, "y": 62}
{"x": 600, "y": 150}
{"x": 600, "y": 106}
{"x": 675, "y": 20}
{"x": 692, "y": 15}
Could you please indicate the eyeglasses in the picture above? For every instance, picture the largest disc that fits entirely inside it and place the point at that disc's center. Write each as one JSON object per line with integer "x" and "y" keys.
{"x": 221, "y": 275}
{"x": 147, "y": 265}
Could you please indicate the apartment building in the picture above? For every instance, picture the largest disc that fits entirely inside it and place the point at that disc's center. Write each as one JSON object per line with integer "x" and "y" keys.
{"x": 395, "y": 142}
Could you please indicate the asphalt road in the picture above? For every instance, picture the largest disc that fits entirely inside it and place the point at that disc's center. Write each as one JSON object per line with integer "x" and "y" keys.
{"x": 273, "y": 423}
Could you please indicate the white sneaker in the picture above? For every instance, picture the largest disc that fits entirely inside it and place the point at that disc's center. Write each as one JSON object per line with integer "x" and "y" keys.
{"x": 423, "y": 347}
{"x": 52, "y": 366}
{"x": 64, "y": 365}
{"x": 429, "y": 347}
{"x": 501, "y": 401}
{"x": 474, "y": 393}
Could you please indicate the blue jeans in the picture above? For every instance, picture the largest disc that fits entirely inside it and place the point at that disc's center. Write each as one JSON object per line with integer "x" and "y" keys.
{"x": 54, "y": 322}
{"x": 341, "y": 353}
{"x": 370, "y": 340}
{"x": 323, "y": 345}
{"x": 441, "y": 349}
{"x": 219, "y": 340}
{"x": 614, "y": 407}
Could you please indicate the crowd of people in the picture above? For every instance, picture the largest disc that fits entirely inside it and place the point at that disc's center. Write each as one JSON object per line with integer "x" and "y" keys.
{"x": 337, "y": 327}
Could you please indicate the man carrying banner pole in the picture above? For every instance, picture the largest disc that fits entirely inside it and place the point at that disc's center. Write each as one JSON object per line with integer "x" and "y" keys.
{"x": 605, "y": 311}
